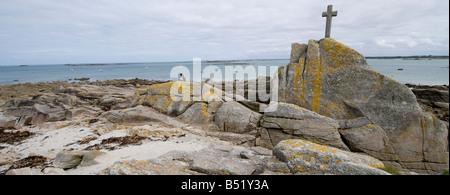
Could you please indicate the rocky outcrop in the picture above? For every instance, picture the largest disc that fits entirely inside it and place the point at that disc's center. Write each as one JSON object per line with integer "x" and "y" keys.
{"x": 335, "y": 81}
{"x": 174, "y": 98}
{"x": 106, "y": 98}
{"x": 317, "y": 143}
{"x": 40, "y": 109}
{"x": 202, "y": 107}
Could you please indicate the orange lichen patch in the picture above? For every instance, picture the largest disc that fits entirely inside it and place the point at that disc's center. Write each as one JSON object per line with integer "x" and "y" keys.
{"x": 140, "y": 92}
{"x": 316, "y": 156}
{"x": 309, "y": 146}
{"x": 162, "y": 89}
{"x": 298, "y": 69}
{"x": 340, "y": 55}
{"x": 314, "y": 69}
{"x": 425, "y": 123}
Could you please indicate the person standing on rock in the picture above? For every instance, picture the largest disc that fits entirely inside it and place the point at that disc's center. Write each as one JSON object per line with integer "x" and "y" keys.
{"x": 182, "y": 77}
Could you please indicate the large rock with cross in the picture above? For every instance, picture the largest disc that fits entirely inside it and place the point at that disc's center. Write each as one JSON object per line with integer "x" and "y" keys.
{"x": 334, "y": 80}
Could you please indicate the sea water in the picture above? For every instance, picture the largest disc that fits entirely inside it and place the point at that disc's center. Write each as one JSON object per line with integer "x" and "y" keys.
{"x": 421, "y": 72}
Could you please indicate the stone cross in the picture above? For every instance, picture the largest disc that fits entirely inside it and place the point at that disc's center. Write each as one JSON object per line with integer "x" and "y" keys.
{"x": 329, "y": 14}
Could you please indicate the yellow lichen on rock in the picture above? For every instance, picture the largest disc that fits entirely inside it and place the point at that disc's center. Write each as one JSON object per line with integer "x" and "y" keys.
{"x": 175, "y": 97}
{"x": 308, "y": 157}
{"x": 314, "y": 70}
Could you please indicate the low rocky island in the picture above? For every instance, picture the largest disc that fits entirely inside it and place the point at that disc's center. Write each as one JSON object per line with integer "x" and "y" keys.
{"x": 335, "y": 115}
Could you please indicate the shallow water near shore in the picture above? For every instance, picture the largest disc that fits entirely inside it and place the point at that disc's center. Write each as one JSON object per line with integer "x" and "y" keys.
{"x": 420, "y": 72}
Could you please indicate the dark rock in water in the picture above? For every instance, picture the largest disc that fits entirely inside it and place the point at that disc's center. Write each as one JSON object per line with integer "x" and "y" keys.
{"x": 431, "y": 95}
{"x": 82, "y": 79}
{"x": 435, "y": 101}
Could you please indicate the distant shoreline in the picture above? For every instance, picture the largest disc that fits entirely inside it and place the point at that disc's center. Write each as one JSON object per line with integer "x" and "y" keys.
{"x": 429, "y": 57}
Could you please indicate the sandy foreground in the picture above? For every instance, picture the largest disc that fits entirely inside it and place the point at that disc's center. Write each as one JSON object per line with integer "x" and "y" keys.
{"x": 49, "y": 143}
{"x": 50, "y": 138}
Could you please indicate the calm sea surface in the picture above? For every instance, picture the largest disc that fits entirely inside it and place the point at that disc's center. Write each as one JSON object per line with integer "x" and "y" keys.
{"x": 423, "y": 72}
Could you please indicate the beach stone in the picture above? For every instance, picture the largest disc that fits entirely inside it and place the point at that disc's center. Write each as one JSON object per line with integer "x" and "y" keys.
{"x": 214, "y": 161}
{"x": 7, "y": 122}
{"x": 157, "y": 131}
{"x": 71, "y": 159}
{"x": 68, "y": 159}
{"x": 236, "y": 118}
{"x": 304, "y": 157}
{"x": 23, "y": 171}
{"x": 53, "y": 171}
{"x": 336, "y": 81}
{"x": 214, "y": 165}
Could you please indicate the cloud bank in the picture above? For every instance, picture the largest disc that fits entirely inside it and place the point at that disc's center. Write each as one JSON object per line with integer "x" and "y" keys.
{"x": 91, "y": 31}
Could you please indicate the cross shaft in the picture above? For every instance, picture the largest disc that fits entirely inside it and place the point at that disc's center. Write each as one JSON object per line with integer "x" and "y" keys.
{"x": 329, "y": 14}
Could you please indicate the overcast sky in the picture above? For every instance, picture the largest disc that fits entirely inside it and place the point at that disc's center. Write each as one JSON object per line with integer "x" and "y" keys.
{"x": 102, "y": 31}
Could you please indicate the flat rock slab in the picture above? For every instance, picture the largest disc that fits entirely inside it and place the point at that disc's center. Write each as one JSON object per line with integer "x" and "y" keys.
{"x": 217, "y": 160}
{"x": 304, "y": 157}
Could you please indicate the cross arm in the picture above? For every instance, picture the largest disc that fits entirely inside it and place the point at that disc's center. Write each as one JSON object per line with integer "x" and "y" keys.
{"x": 334, "y": 13}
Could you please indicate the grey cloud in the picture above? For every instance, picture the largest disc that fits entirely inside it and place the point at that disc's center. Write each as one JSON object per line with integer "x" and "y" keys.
{"x": 177, "y": 30}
